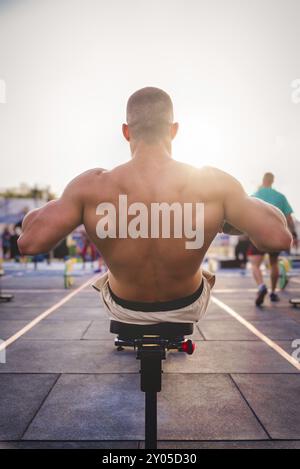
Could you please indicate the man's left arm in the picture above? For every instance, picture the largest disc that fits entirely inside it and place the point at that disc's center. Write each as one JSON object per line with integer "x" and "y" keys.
{"x": 292, "y": 228}
{"x": 287, "y": 210}
{"x": 43, "y": 228}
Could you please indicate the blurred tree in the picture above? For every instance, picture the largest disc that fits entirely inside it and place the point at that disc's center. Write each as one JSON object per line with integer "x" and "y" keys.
{"x": 25, "y": 191}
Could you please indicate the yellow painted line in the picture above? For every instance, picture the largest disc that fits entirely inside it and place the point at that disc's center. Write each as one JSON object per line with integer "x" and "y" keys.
{"x": 46, "y": 313}
{"x": 256, "y": 332}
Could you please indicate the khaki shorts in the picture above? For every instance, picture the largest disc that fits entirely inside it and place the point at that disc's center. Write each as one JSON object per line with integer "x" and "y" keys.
{"x": 191, "y": 313}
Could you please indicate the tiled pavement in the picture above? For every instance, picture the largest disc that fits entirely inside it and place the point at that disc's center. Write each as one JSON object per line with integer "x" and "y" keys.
{"x": 65, "y": 385}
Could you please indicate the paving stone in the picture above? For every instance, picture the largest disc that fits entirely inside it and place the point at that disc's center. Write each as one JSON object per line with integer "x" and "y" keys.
{"x": 268, "y": 444}
{"x": 78, "y": 313}
{"x": 281, "y": 329}
{"x": 91, "y": 407}
{"x": 34, "y": 300}
{"x": 70, "y": 444}
{"x": 276, "y": 329}
{"x": 18, "y": 313}
{"x": 292, "y": 347}
{"x": 245, "y": 310}
{"x": 275, "y": 400}
{"x": 10, "y": 327}
{"x": 226, "y": 356}
{"x": 225, "y": 330}
{"x": 21, "y": 397}
{"x": 49, "y": 329}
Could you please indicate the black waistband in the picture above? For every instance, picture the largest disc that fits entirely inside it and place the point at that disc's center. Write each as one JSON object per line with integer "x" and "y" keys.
{"x": 157, "y": 305}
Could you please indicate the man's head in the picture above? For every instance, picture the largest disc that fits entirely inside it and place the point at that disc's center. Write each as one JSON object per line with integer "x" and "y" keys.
{"x": 268, "y": 179}
{"x": 149, "y": 116}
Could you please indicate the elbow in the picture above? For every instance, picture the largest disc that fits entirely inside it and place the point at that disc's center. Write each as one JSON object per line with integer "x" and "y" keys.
{"x": 286, "y": 241}
{"x": 27, "y": 248}
{"x": 281, "y": 242}
{"x": 23, "y": 246}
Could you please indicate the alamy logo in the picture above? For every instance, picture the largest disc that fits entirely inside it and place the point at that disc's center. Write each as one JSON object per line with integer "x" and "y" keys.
{"x": 296, "y": 91}
{"x": 188, "y": 221}
{"x": 2, "y": 352}
{"x": 296, "y": 352}
{"x": 2, "y": 91}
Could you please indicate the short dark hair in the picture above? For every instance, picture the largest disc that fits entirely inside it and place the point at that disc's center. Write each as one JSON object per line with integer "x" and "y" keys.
{"x": 268, "y": 178}
{"x": 149, "y": 114}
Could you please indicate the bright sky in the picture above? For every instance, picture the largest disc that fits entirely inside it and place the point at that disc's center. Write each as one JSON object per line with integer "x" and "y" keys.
{"x": 69, "y": 66}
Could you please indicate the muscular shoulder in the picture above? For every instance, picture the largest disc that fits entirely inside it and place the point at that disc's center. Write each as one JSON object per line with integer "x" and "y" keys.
{"x": 89, "y": 175}
{"x": 204, "y": 172}
{"x": 218, "y": 181}
{"x": 223, "y": 179}
{"x": 214, "y": 173}
{"x": 82, "y": 184}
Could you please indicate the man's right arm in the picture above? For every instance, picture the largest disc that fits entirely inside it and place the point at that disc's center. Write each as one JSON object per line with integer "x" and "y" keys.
{"x": 265, "y": 225}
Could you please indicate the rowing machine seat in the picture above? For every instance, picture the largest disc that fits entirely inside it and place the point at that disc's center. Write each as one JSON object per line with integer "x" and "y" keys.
{"x": 163, "y": 329}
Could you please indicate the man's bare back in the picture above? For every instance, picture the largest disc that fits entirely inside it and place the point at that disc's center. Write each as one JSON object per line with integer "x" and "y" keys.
{"x": 148, "y": 269}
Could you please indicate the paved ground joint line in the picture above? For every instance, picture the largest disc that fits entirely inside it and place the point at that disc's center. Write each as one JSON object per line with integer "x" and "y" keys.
{"x": 40, "y": 406}
{"x": 46, "y": 313}
{"x": 256, "y": 332}
{"x": 86, "y": 329}
{"x": 249, "y": 406}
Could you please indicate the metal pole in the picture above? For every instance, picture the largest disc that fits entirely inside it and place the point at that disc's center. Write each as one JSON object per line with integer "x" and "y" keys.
{"x": 150, "y": 420}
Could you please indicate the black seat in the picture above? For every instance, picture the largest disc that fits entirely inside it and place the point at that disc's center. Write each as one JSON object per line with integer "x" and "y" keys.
{"x": 164, "y": 329}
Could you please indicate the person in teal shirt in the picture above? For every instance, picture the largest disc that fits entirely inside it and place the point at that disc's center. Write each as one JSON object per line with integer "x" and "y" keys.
{"x": 273, "y": 197}
{"x": 268, "y": 194}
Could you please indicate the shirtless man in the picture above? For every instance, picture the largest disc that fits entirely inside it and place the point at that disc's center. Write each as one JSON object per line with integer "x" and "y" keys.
{"x": 154, "y": 275}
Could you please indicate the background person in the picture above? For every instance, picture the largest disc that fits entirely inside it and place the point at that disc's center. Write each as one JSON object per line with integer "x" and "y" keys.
{"x": 256, "y": 256}
{"x": 241, "y": 250}
{"x": 14, "y": 249}
{"x": 5, "y": 238}
{"x": 88, "y": 250}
